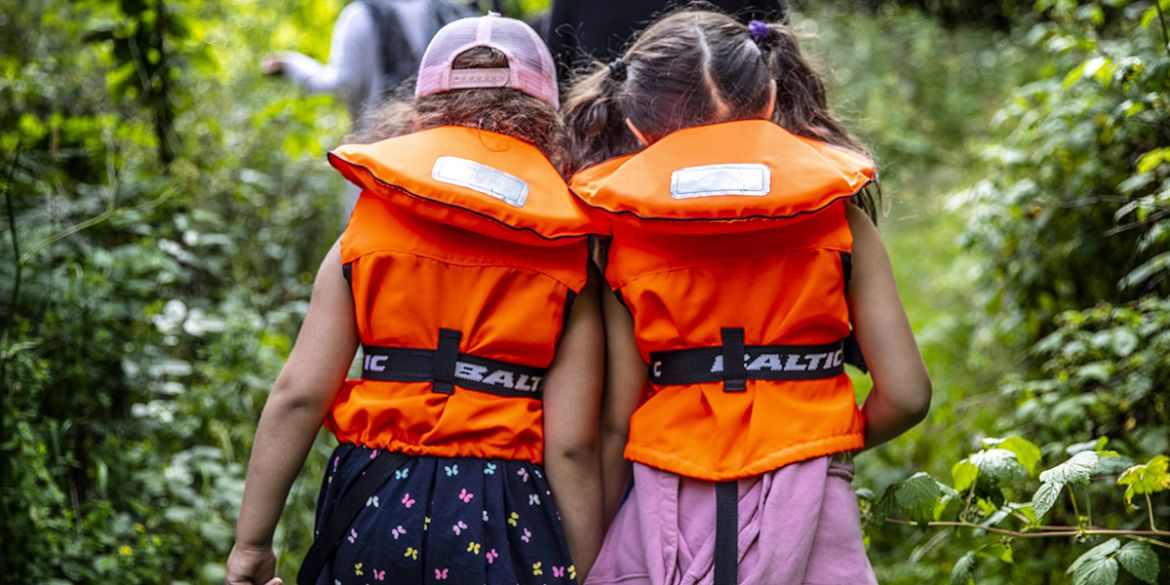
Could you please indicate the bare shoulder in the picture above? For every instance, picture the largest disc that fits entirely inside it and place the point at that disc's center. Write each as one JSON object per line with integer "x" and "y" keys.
{"x": 867, "y": 242}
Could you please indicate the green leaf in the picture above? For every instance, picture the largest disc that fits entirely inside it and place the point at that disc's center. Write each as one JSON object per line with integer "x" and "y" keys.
{"x": 1156, "y": 265}
{"x": 1150, "y": 160}
{"x": 1027, "y": 453}
{"x": 1076, "y": 470}
{"x": 964, "y": 571}
{"x": 1075, "y": 75}
{"x": 964, "y": 473}
{"x": 1139, "y": 559}
{"x": 1097, "y": 566}
{"x": 999, "y": 465}
{"x": 1045, "y": 498}
{"x": 1150, "y": 478}
{"x": 999, "y": 551}
{"x": 917, "y": 497}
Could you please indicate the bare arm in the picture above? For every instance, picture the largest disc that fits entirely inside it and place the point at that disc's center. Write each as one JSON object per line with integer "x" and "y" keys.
{"x": 625, "y": 378}
{"x": 351, "y": 62}
{"x": 572, "y": 400}
{"x": 901, "y": 385}
{"x": 293, "y": 414}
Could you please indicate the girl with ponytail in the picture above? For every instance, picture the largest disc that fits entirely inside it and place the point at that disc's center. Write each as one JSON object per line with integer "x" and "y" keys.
{"x": 746, "y": 269}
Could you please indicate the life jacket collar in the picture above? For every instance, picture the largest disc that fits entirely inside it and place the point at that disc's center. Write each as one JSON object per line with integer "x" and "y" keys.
{"x": 721, "y": 178}
{"x": 488, "y": 182}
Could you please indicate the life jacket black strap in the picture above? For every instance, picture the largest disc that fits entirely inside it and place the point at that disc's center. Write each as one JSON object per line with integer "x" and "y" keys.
{"x": 853, "y": 354}
{"x": 446, "y": 360}
{"x": 445, "y": 367}
{"x": 734, "y": 370}
{"x": 333, "y": 528}
{"x": 748, "y": 362}
{"x": 726, "y": 533}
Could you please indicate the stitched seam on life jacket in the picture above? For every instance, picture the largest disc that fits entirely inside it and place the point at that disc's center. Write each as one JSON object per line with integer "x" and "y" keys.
{"x": 721, "y": 219}
{"x": 724, "y": 262}
{"x": 369, "y": 172}
{"x": 463, "y": 264}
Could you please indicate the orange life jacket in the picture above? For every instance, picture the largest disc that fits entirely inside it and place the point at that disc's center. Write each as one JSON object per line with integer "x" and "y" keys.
{"x": 731, "y": 250}
{"x": 464, "y": 253}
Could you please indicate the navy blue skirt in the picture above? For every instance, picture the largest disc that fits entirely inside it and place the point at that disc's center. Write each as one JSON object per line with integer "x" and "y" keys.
{"x": 447, "y": 521}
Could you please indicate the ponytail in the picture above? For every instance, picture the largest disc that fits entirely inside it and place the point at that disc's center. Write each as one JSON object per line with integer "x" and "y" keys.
{"x": 695, "y": 67}
{"x": 801, "y": 104}
{"x": 593, "y": 116}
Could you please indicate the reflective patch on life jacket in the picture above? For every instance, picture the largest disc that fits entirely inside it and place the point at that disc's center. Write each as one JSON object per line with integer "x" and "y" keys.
{"x": 480, "y": 177}
{"x": 725, "y": 179}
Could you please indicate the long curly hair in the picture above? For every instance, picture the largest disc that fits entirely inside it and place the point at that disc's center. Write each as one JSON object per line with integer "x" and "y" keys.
{"x": 502, "y": 110}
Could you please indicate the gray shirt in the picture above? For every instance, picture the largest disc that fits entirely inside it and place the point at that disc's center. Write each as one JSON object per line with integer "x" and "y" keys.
{"x": 354, "y": 70}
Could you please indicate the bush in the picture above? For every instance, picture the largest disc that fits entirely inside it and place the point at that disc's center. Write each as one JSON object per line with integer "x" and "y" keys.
{"x": 1069, "y": 232}
{"x": 156, "y": 262}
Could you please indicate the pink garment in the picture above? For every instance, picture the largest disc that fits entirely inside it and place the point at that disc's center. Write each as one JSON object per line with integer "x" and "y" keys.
{"x": 798, "y": 525}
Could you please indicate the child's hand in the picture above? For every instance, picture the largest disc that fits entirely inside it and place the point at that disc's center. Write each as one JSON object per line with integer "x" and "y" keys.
{"x": 251, "y": 565}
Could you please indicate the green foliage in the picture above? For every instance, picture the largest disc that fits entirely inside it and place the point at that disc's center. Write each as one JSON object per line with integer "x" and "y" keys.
{"x": 1099, "y": 566}
{"x": 1146, "y": 479}
{"x": 1139, "y": 559}
{"x": 1096, "y": 567}
{"x": 1102, "y": 373}
{"x": 1067, "y": 230}
{"x": 988, "y": 508}
{"x": 155, "y": 261}
{"x": 1072, "y": 214}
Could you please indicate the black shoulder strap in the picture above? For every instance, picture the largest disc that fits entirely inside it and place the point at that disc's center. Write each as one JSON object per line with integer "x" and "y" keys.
{"x": 446, "y": 11}
{"x": 352, "y": 502}
{"x": 853, "y": 355}
{"x": 398, "y": 59}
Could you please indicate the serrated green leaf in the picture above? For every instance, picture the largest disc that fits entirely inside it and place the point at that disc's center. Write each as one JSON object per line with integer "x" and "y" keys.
{"x": 1139, "y": 559}
{"x": 964, "y": 571}
{"x": 1149, "y": 478}
{"x": 964, "y": 474}
{"x": 1097, "y": 566}
{"x": 1103, "y": 572}
{"x": 1045, "y": 498}
{"x": 1027, "y": 453}
{"x": 917, "y": 497}
{"x": 1077, "y": 469}
{"x": 999, "y": 465}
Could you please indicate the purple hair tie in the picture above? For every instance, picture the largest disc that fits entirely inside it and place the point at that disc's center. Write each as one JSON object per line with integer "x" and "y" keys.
{"x": 760, "y": 31}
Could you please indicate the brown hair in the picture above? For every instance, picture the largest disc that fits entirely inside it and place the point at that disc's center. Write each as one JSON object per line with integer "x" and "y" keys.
{"x": 503, "y": 110}
{"x": 695, "y": 67}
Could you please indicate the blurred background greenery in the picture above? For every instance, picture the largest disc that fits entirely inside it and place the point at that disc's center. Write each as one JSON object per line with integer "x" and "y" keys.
{"x": 165, "y": 207}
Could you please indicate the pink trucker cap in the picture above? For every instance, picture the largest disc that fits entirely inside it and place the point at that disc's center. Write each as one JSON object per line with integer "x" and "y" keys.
{"x": 530, "y": 65}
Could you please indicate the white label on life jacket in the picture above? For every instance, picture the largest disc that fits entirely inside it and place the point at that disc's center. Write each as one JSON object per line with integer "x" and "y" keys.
{"x": 482, "y": 178}
{"x": 714, "y": 180}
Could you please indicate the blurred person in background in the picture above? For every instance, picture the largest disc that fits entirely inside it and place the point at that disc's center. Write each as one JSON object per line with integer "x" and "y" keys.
{"x": 376, "y": 45}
